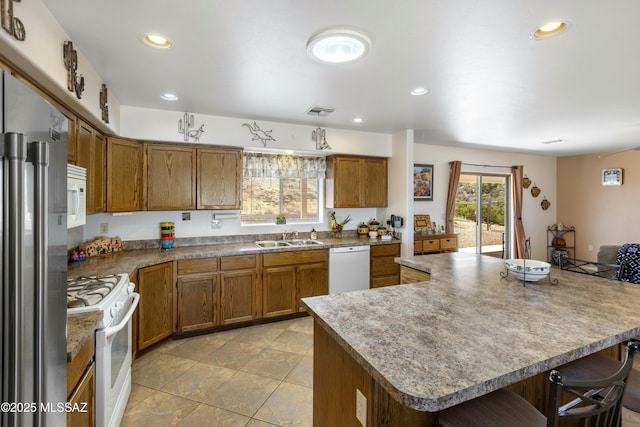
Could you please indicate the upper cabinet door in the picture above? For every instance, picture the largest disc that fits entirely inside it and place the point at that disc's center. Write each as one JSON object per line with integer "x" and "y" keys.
{"x": 124, "y": 175}
{"x": 375, "y": 182}
{"x": 348, "y": 182}
{"x": 170, "y": 177}
{"x": 91, "y": 152}
{"x": 219, "y": 178}
{"x": 356, "y": 182}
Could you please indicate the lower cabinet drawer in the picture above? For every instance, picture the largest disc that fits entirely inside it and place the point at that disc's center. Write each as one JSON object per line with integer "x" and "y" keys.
{"x": 450, "y": 243}
{"x": 431, "y": 245}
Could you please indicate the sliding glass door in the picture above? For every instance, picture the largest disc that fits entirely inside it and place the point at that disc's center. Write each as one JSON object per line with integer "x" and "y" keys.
{"x": 482, "y": 214}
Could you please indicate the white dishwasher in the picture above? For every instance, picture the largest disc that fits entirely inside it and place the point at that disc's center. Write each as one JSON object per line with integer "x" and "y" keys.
{"x": 348, "y": 269}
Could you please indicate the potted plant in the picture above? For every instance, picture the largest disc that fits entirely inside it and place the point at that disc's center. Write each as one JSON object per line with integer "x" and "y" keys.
{"x": 281, "y": 219}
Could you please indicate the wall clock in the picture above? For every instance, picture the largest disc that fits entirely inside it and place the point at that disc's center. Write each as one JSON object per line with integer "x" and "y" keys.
{"x": 612, "y": 176}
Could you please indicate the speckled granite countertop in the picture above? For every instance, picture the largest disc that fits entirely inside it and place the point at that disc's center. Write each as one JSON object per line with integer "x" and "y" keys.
{"x": 130, "y": 261}
{"x": 467, "y": 332}
{"x": 80, "y": 328}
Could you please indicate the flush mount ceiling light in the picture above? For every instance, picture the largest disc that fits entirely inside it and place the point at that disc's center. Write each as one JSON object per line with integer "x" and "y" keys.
{"x": 551, "y": 29}
{"x": 419, "y": 91}
{"x": 169, "y": 97}
{"x": 357, "y": 120}
{"x": 157, "y": 41}
{"x": 338, "y": 45}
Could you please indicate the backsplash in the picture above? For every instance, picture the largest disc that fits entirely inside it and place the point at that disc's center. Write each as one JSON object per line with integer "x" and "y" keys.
{"x": 139, "y": 227}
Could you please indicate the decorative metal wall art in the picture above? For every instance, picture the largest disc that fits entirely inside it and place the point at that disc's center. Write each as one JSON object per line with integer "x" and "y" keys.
{"x": 183, "y": 128}
{"x": 70, "y": 55}
{"x": 320, "y": 137}
{"x": 258, "y": 134}
{"x": 10, "y": 23}
{"x": 103, "y": 103}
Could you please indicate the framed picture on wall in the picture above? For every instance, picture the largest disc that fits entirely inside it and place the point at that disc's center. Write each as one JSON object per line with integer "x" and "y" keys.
{"x": 423, "y": 182}
{"x": 612, "y": 176}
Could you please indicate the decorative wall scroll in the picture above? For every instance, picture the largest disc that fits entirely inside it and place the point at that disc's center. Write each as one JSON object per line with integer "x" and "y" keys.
{"x": 10, "y": 23}
{"x": 103, "y": 103}
{"x": 319, "y": 136}
{"x": 75, "y": 83}
{"x": 183, "y": 128}
{"x": 258, "y": 134}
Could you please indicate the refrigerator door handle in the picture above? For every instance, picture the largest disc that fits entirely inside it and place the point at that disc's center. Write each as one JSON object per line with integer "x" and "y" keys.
{"x": 39, "y": 155}
{"x": 15, "y": 153}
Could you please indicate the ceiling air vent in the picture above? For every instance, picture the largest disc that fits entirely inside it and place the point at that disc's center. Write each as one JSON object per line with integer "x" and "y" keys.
{"x": 320, "y": 111}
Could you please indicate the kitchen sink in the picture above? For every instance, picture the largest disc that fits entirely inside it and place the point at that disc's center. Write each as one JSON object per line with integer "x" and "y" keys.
{"x": 264, "y": 244}
{"x": 303, "y": 242}
{"x": 268, "y": 244}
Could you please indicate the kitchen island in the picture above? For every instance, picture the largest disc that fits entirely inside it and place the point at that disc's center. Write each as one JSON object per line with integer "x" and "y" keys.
{"x": 415, "y": 349}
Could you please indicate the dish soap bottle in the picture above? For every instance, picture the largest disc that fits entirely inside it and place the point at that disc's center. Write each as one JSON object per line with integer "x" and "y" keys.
{"x": 314, "y": 234}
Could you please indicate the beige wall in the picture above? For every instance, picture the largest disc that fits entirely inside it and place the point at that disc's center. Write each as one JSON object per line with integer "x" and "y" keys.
{"x": 601, "y": 215}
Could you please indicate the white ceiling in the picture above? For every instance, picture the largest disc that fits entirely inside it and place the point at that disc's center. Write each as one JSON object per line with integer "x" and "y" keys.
{"x": 490, "y": 83}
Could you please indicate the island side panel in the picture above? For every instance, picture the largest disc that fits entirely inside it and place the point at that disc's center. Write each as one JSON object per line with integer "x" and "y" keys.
{"x": 337, "y": 376}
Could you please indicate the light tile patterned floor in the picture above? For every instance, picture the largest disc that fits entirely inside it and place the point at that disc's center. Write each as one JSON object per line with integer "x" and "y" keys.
{"x": 260, "y": 376}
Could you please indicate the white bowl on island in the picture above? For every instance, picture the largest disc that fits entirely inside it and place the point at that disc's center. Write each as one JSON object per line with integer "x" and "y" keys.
{"x": 530, "y": 270}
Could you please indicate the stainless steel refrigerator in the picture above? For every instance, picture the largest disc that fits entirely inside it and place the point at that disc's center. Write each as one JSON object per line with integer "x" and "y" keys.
{"x": 33, "y": 232}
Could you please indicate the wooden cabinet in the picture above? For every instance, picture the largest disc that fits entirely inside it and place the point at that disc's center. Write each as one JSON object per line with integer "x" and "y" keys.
{"x": 91, "y": 155}
{"x": 384, "y": 270}
{"x": 289, "y": 276}
{"x": 356, "y": 182}
{"x": 434, "y": 243}
{"x": 170, "y": 179}
{"x": 124, "y": 175}
{"x": 198, "y": 294}
{"x": 219, "y": 174}
{"x": 155, "y": 310}
{"x": 81, "y": 386}
{"x": 238, "y": 279}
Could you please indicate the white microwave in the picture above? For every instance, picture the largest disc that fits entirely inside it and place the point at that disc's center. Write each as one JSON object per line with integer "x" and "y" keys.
{"x": 76, "y": 196}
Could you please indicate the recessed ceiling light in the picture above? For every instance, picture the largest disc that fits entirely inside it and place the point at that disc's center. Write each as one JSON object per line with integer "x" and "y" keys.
{"x": 338, "y": 45}
{"x": 419, "y": 91}
{"x": 157, "y": 41}
{"x": 551, "y": 29}
{"x": 357, "y": 120}
{"x": 169, "y": 97}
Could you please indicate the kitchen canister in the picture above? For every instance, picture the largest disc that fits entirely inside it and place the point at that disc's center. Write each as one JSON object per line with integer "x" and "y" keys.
{"x": 167, "y": 234}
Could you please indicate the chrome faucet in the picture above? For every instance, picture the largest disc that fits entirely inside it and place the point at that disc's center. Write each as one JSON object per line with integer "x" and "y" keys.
{"x": 287, "y": 232}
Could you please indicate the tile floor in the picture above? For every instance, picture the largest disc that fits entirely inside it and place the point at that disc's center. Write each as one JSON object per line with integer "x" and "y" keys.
{"x": 260, "y": 376}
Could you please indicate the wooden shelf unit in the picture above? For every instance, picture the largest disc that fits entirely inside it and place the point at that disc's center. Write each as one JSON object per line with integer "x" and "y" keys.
{"x": 434, "y": 243}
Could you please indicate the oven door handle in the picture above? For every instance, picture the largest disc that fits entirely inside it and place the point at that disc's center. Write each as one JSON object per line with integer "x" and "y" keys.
{"x": 112, "y": 330}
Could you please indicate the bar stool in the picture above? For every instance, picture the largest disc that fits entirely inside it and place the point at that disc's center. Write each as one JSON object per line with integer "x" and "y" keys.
{"x": 598, "y": 366}
{"x": 596, "y": 401}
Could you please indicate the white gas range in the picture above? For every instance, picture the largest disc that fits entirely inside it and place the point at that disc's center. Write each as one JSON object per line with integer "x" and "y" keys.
{"x": 114, "y": 296}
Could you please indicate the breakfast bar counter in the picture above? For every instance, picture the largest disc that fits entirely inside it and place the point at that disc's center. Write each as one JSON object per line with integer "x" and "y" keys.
{"x": 466, "y": 332}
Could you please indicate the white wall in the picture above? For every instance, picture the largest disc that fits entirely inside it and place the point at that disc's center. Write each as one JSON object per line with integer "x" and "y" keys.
{"x": 40, "y": 56}
{"x": 400, "y": 194}
{"x": 540, "y": 169}
{"x": 159, "y": 125}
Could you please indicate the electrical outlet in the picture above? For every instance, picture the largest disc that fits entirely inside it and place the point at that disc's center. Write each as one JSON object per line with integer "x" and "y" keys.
{"x": 361, "y": 408}
{"x": 104, "y": 227}
{"x": 590, "y": 248}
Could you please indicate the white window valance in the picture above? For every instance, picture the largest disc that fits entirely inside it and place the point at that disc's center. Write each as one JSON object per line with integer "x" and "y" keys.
{"x": 266, "y": 165}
